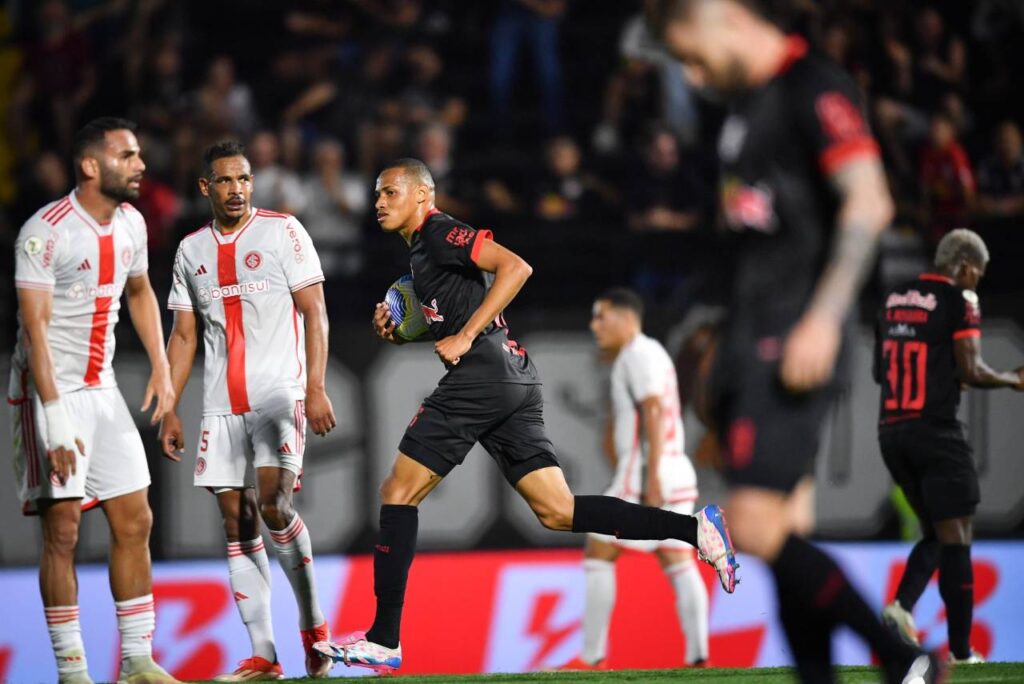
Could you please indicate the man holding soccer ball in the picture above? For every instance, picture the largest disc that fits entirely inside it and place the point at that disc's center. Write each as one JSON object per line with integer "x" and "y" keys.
{"x": 491, "y": 394}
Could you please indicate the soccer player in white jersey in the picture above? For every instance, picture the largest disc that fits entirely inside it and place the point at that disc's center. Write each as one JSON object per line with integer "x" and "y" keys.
{"x": 254, "y": 278}
{"x": 75, "y": 441}
{"x": 645, "y": 442}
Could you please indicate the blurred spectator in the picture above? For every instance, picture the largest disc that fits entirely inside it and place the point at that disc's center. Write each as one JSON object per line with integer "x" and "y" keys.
{"x": 335, "y": 207}
{"x": 565, "y": 192}
{"x": 161, "y": 99}
{"x": 940, "y": 60}
{"x": 664, "y": 195}
{"x": 1001, "y": 175}
{"x": 275, "y": 187}
{"x": 47, "y": 179}
{"x": 223, "y": 106}
{"x": 58, "y": 81}
{"x": 425, "y": 95}
{"x": 946, "y": 178}
{"x": 434, "y": 148}
{"x": 535, "y": 22}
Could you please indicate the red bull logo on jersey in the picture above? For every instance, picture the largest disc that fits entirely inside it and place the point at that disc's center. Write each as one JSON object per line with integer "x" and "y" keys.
{"x": 250, "y": 287}
{"x": 912, "y": 298}
{"x": 80, "y": 290}
{"x": 748, "y": 206}
{"x": 430, "y": 312}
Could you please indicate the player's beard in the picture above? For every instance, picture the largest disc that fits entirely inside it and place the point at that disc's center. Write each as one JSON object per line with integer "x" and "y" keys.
{"x": 118, "y": 191}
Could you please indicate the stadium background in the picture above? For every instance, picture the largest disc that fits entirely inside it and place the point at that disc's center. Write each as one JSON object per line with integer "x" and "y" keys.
{"x": 557, "y": 124}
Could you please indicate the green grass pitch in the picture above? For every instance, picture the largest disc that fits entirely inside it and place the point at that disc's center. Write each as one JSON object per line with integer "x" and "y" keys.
{"x": 990, "y": 672}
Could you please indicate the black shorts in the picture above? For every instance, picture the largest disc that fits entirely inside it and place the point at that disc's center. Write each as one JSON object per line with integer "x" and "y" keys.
{"x": 769, "y": 435}
{"x": 934, "y": 466}
{"x": 507, "y": 419}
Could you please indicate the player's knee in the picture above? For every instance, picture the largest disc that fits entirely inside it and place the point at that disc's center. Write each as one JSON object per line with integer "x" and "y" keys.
{"x": 276, "y": 512}
{"x": 61, "y": 537}
{"x": 397, "y": 493}
{"x": 134, "y": 528}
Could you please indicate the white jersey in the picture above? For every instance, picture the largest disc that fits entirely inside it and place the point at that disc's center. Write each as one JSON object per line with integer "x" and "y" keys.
{"x": 643, "y": 369}
{"x": 241, "y": 286}
{"x": 63, "y": 250}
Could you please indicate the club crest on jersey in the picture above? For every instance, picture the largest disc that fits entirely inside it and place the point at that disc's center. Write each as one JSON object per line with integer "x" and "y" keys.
{"x": 126, "y": 256}
{"x": 748, "y": 206}
{"x": 431, "y": 312}
{"x": 252, "y": 260}
{"x": 200, "y": 465}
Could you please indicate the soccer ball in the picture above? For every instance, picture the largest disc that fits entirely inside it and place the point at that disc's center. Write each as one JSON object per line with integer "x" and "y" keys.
{"x": 406, "y": 312}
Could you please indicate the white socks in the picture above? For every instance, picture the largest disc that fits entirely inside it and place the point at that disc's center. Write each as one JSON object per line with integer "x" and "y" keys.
{"x": 692, "y": 606}
{"x": 66, "y": 637}
{"x": 295, "y": 554}
{"x": 136, "y": 620}
{"x": 249, "y": 573}
{"x": 597, "y": 612}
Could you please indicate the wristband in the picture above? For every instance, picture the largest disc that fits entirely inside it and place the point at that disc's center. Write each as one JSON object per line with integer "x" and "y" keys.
{"x": 59, "y": 431}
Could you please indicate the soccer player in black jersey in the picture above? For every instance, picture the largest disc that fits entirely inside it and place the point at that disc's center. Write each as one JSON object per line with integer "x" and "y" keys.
{"x": 927, "y": 343}
{"x": 804, "y": 199}
{"x": 491, "y": 394}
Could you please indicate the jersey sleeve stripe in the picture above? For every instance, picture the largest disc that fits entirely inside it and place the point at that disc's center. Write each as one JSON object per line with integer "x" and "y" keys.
{"x": 32, "y": 285}
{"x": 478, "y": 242}
{"x": 840, "y": 153}
{"x": 307, "y": 282}
{"x": 967, "y": 332}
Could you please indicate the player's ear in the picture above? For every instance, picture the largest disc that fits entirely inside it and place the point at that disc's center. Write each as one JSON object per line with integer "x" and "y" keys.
{"x": 204, "y": 186}
{"x": 89, "y": 167}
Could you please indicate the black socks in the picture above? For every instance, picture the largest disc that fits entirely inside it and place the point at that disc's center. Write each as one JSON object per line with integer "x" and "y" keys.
{"x": 391, "y": 560}
{"x": 814, "y": 586}
{"x": 956, "y": 585}
{"x": 608, "y": 515}
{"x": 922, "y": 562}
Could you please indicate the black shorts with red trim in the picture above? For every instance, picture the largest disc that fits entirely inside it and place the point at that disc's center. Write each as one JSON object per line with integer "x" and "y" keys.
{"x": 934, "y": 465}
{"x": 770, "y": 436}
{"x": 506, "y": 418}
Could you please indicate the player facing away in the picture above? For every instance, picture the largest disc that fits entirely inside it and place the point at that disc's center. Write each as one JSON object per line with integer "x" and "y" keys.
{"x": 645, "y": 441}
{"x": 928, "y": 343}
{"x": 254, "y": 278}
{"x": 75, "y": 441}
{"x": 491, "y": 394}
{"x": 804, "y": 199}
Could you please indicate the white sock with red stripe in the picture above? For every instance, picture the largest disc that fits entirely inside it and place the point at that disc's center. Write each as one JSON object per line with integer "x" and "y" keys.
{"x": 597, "y": 611}
{"x": 136, "y": 620}
{"x": 295, "y": 554}
{"x": 66, "y": 637}
{"x": 692, "y": 607}
{"x": 249, "y": 573}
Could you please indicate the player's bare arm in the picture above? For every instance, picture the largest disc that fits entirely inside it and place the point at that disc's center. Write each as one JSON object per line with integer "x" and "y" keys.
{"x": 310, "y": 303}
{"x": 384, "y": 326}
{"x": 511, "y": 273}
{"x": 652, "y": 415}
{"x": 181, "y": 353}
{"x": 36, "y": 307}
{"x": 608, "y": 439}
{"x": 865, "y": 211}
{"x": 973, "y": 370}
{"x": 145, "y": 313}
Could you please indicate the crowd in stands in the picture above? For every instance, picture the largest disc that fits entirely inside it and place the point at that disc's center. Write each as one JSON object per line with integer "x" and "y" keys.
{"x": 560, "y": 124}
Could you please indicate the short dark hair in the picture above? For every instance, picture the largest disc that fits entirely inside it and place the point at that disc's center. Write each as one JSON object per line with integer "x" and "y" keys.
{"x": 96, "y": 131}
{"x": 220, "y": 150}
{"x": 624, "y": 298}
{"x": 661, "y": 13}
{"x": 413, "y": 167}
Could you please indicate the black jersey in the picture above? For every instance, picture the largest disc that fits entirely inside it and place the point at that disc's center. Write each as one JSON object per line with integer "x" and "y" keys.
{"x": 914, "y": 359}
{"x": 450, "y": 288}
{"x": 777, "y": 148}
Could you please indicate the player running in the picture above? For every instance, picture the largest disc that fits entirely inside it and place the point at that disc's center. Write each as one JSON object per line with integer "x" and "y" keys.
{"x": 254, "y": 278}
{"x": 928, "y": 342}
{"x": 647, "y": 450}
{"x": 75, "y": 441}
{"x": 491, "y": 394}
{"x": 804, "y": 197}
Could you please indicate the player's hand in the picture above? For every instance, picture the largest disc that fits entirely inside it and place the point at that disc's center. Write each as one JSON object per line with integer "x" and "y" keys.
{"x": 172, "y": 439}
{"x": 652, "y": 492}
{"x": 383, "y": 325}
{"x": 809, "y": 355}
{"x": 62, "y": 439}
{"x": 63, "y": 461}
{"x": 320, "y": 412}
{"x": 451, "y": 348}
{"x": 160, "y": 388}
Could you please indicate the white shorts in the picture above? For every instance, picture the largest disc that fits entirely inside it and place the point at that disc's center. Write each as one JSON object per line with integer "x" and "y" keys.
{"x": 678, "y": 490}
{"x": 114, "y": 462}
{"x": 231, "y": 446}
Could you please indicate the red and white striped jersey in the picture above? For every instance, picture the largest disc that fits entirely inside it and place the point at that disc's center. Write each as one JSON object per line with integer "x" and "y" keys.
{"x": 241, "y": 286}
{"x": 62, "y": 249}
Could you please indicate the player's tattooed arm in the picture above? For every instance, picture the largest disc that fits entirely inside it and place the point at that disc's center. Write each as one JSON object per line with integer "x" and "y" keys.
{"x": 865, "y": 211}
{"x": 973, "y": 371}
{"x": 181, "y": 353}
